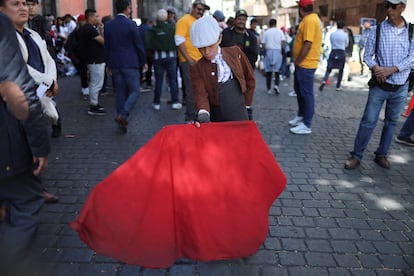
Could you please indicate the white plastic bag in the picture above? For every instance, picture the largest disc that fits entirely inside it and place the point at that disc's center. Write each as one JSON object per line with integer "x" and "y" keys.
{"x": 49, "y": 108}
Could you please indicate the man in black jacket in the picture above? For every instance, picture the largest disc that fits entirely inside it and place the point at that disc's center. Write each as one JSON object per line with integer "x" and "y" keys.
{"x": 244, "y": 38}
{"x": 24, "y": 150}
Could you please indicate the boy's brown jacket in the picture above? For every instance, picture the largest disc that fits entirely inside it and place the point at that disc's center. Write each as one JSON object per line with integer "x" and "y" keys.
{"x": 204, "y": 78}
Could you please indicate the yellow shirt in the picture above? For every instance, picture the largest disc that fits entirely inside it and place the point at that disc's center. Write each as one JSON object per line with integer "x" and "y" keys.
{"x": 309, "y": 30}
{"x": 182, "y": 28}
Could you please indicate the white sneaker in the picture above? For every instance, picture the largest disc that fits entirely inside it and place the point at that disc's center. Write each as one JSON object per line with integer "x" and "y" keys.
{"x": 301, "y": 128}
{"x": 176, "y": 106}
{"x": 296, "y": 121}
{"x": 269, "y": 91}
{"x": 292, "y": 94}
{"x": 276, "y": 88}
{"x": 339, "y": 89}
{"x": 156, "y": 106}
{"x": 85, "y": 91}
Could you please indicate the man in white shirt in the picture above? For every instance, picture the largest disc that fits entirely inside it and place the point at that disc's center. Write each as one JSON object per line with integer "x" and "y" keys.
{"x": 339, "y": 42}
{"x": 272, "y": 43}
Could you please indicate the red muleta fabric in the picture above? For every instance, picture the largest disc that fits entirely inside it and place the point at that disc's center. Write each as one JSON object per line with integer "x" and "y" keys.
{"x": 199, "y": 193}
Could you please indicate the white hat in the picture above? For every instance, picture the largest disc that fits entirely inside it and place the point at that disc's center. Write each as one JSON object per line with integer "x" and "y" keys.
{"x": 396, "y": 2}
{"x": 205, "y": 32}
{"x": 162, "y": 15}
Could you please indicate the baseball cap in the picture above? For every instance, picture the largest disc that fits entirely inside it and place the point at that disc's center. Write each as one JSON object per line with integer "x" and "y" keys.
{"x": 201, "y": 2}
{"x": 33, "y": 1}
{"x": 172, "y": 10}
{"x": 304, "y": 3}
{"x": 396, "y": 1}
{"x": 241, "y": 12}
{"x": 80, "y": 18}
{"x": 219, "y": 15}
{"x": 204, "y": 32}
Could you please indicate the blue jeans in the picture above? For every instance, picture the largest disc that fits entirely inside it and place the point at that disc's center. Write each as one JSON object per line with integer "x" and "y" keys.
{"x": 303, "y": 84}
{"x": 408, "y": 128}
{"x": 127, "y": 84}
{"x": 394, "y": 104}
{"x": 161, "y": 66}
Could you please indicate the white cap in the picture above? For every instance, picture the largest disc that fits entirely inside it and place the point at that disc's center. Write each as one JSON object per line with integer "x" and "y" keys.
{"x": 205, "y": 32}
{"x": 162, "y": 15}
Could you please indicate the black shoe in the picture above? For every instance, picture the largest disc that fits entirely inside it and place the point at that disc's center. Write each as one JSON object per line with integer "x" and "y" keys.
{"x": 96, "y": 110}
{"x": 56, "y": 130}
{"x": 322, "y": 86}
{"x": 405, "y": 141}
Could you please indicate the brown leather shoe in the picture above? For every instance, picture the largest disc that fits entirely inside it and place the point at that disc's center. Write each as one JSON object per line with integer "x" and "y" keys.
{"x": 352, "y": 163}
{"x": 122, "y": 123}
{"x": 382, "y": 161}
{"x": 50, "y": 198}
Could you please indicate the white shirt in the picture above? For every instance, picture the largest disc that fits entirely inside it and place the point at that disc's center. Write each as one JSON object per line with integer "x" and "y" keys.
{"x": 223, "y": 69}
{"x": 272, "y": 38}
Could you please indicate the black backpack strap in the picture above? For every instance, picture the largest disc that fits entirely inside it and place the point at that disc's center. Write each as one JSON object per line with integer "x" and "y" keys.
{"x": 377, "y": 37}
{"x": 410, "y": 32}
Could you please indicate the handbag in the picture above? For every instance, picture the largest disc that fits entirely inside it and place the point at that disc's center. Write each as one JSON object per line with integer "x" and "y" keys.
{"x": 49, "y": 108}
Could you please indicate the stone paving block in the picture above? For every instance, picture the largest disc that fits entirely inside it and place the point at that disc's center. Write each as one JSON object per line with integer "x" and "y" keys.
{"x": 285, "y": 220}
{"x": 272, "y": 244}
{"x": 343, "y": 247}
{"x": 407, "y": 247}
{"x": 317, "y": 233}
{"x": 393, "y": 261}
{"x": 272, "y": 271}
{"x": 319, "y": 246}
{"x": 308, "y": 271}
{"x": 352, "y": 223}
{"x": 355, "y": 214}
{"x": 370, "y": 261}
{"x": 79, "y": 255}
{"x": 287, "y": 231}
{"x": 378, "y": 225}
{"x": 316, "y": 203}
{"x": 331, "y": 213}
{"x": 289, "y": 211}
{"x": 98, "y": 269}
{"x": 291, "y": 202}
{"x": 363, "y": 272}
{"x": 303, "y": 221}
{"x": 63, "y": 269}
{"x": 371, "y": 235}
{"x": 320, "y": 259}
{"x": 128, "y": 270}
{"x": 213, "y": 269}
{"x": 294, "y": 244}
{"x": 291, "y": 259}
{"x": 338, "y": 271}
{"x": 343, "y": 234}
{"x": 311, "y": 212}
{"x": 387, "y": 247}
{"x": 262, "y": 257}
{"x": 69, "y": 241}
{"x": 180, "y": 270}
{"x": 153, "y": 272}
{"x": 348, "y": 261}
{"x": 326, "y": 222}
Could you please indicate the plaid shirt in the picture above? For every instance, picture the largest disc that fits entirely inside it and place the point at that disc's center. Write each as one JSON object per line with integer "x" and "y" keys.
{"x": 394, "y": 49}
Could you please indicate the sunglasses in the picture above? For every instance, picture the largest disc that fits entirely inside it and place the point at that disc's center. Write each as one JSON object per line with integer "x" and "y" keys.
{"x": 390, "y": 5}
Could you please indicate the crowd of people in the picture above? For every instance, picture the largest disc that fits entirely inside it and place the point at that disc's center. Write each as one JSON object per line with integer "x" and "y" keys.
{"x": 215, "y": 61}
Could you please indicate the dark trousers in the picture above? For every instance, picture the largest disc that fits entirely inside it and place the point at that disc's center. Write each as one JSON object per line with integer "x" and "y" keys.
{"x": 23, "y": 197}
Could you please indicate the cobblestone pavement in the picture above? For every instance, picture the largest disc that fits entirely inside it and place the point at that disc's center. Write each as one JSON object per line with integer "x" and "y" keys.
{"x": 328, "y": 221}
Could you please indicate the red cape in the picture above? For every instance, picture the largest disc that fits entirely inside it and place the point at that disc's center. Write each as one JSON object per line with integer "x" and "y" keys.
{"x": 200, "y": 193}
